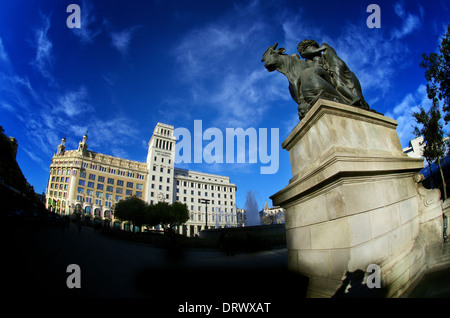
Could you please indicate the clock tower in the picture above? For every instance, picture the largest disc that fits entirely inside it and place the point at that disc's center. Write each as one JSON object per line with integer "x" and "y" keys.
{"x": 160, "y": 163}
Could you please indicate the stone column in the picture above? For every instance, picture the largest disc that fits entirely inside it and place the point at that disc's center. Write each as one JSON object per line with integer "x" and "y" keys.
{"x": 352, "y": 201}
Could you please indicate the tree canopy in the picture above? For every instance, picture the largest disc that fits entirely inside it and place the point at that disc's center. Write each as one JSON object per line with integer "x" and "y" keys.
{"x": 437, "y": 74}
{"x": 140, "y": 213}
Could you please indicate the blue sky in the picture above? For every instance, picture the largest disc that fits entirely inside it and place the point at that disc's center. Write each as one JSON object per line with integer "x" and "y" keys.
{"x": 135, "y": 63}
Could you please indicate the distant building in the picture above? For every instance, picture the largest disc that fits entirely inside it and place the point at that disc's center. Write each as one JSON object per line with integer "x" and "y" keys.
{"x": 241, "y": 217}
{"x": 415, "y": 148}
{"x": 273, "y": 215}
{"x": 92, "y": 183}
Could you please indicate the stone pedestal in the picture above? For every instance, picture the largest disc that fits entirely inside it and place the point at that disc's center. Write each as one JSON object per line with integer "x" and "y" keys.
{"x": 353, "y": 199}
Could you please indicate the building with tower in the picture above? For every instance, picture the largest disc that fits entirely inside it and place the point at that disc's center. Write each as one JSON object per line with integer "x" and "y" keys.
{"x": 90, "y": 183}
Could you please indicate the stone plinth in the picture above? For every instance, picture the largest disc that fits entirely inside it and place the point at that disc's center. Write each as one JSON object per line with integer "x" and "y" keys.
{"x": 353, "y": 199}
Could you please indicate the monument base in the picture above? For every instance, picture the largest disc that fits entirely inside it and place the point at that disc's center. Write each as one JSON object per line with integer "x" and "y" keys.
{"x": 355, "y": 200}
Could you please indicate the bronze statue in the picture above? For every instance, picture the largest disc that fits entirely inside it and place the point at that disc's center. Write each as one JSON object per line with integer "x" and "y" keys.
{"x": 321, "y": 75}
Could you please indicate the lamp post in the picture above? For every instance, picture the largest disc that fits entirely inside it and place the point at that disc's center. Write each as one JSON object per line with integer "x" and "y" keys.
{"x": 205, "y": 201}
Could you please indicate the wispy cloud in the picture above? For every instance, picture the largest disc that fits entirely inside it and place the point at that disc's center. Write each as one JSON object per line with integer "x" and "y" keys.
{"x": 74, "y": 103}
{"x": 3, "y": 54}
{"x": 43, "y": 60}
{"x": 402, "y": 113}
{"x": 88, "y": 32}
{"x": 410, "y": 22}
{"x": 121, "y": 40}
{"x": 241, "y": 92}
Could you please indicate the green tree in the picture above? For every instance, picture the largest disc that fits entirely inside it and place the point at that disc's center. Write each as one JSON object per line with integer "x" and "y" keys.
{"x": 430, "y": 127}
{"x": 132, "y": 209}
{"x": 161, "y": 213}
{"x": 179, "y": 213}
{"x": 165, "y": 214}
{"x": 437, "y": 73}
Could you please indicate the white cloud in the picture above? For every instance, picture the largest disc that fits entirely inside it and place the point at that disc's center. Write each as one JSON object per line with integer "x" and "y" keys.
{"x": 74, "y": 103}
{"x": 43, "y": 60}
{"x": 402, "y": 113}
{"x": 231, "y": 48}
{"x": 410, "y": 22}
{"x": 86, "y": 33}
{"x": 3, "y": 55}
{"x": 121, "y": 39}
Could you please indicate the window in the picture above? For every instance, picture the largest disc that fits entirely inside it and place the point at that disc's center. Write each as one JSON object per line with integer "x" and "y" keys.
{"x": 109, "y": 188}
{"x": 82, "y": 174}
{"x": 101, "y": 179}
{"x": 80, "y": 190}
{"x": 81, "y": 182}
{"x": 129, "y": 192}
{"x": 120, "y": 183}
{"x": 90, "y": 192}
{"x": 118, "y": 198}
{"x": 99, "y": 186}
{"x": 139, "y": 194}
{"x": 119, "y": 190}
{"x": 110, "y": 181}
{"x": 91, "y": 176}
{"x": 90, "y": 184}
{"x": 139, "y": 186}
{"x": 129, "y": 184}
{"x": 99, "y": 194}
{"x": 108, "y": 196}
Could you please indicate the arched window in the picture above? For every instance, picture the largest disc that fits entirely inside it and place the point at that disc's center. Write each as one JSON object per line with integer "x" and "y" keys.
{"x": 87, "y": 210}
{"x": 107, "y": 214}
{"x": 97, "y": 212}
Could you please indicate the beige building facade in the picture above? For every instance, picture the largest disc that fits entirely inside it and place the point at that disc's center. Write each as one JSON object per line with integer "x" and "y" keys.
{"x": 91, "y": 183}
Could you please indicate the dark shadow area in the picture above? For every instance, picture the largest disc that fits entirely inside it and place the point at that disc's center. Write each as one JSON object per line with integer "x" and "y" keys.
{"x": 200, "y": 285}
{"x": 433, "y": 285}
{"x": 353, "y": 287}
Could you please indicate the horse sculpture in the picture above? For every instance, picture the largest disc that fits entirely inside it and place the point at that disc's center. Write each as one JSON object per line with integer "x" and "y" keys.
{"x": 313, "y": 78}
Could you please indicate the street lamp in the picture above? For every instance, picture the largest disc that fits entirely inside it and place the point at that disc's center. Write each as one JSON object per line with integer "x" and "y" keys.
{"x": 205, "y": 201}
